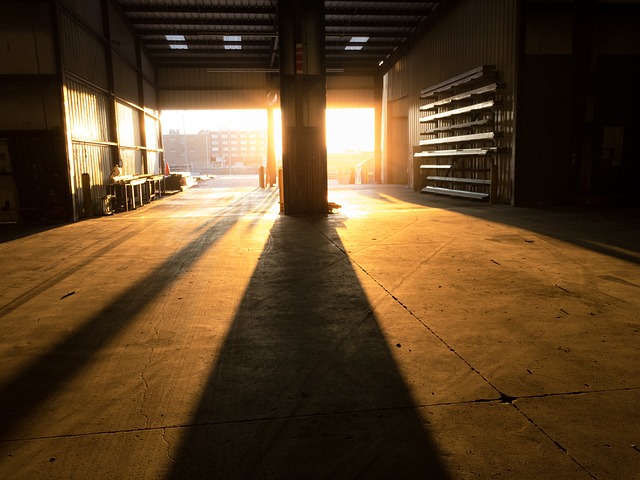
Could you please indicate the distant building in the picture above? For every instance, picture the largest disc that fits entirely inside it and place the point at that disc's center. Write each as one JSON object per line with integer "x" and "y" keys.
{"x": 195, "y": 156}
{"x": 222, "y": 148}
{"x": 235, "y": 148}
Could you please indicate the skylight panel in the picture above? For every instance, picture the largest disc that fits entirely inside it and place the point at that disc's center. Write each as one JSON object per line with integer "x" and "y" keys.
{"x": 353, "y": 47}
{"x": 232, "y": 38}
{"x": 179, "y": 46}
{"x": 359, "y": 39}
{"x": 174, "y": 38}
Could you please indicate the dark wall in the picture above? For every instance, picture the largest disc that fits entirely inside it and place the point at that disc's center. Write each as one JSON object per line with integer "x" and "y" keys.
{"x": 544, "y": 171}
{"x": 615, "y": 171}
{"x": 38, "y": 160}
{"x": 577, "y": 124}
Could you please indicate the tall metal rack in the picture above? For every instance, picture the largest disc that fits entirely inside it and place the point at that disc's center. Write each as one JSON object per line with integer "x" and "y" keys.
{"x": 458, "y": 154}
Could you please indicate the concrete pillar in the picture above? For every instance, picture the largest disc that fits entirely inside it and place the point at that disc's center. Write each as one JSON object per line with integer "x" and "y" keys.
{"x": 271, "y": 149}
{"x": 303, "y": 104}
{"x": 377, "y": 94}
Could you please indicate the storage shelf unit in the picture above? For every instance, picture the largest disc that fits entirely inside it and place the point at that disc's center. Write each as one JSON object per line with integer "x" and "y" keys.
{"x": 458, "y": 153}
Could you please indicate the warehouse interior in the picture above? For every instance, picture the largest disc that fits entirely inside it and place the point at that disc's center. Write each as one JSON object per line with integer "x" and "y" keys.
{"x": 471, "y": 312}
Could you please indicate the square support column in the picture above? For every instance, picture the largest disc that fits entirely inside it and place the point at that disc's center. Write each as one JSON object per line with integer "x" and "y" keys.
{"x": 303, "y": 104}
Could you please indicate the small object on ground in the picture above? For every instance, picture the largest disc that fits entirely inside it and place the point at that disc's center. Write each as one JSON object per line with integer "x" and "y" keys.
{"x": 333, "y": 206}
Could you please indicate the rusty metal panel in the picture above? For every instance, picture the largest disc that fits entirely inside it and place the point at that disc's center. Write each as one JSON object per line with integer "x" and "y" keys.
{"x": 82, "y": 53}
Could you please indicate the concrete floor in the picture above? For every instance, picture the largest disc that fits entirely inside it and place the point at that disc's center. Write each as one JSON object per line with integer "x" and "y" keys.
{"x": 405, "y": 336}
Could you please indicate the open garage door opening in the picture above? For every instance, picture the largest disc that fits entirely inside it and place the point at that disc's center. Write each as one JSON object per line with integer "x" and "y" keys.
{"x": 235, "y": 142}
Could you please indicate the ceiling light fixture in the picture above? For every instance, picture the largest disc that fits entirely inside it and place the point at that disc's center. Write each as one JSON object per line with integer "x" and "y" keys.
{"x": 174, "y": 38}
{"x": 232, "y": 38}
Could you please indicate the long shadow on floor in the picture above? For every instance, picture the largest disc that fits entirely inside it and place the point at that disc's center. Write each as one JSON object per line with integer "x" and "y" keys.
{"x": 611, "y": 231}
{"x": 305, "y": 385}
{"x": 48, "y": 373}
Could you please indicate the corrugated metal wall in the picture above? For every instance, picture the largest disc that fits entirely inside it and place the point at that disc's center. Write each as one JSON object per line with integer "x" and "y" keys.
{"x": 350, "y": 92}
{"x": 83, "y": 52}
{"x": 471, "y": 34}
{"x": 199, "y": 89}
{"x": 89, "y": 11}
{"x": 125, "y": 81}
{"x": 123, "y": 41}
{"x": 87, "y": 116}
{"x": 94, "y": 137}
{"x": 128, "y": 120}
{"x": 27, "y": 39}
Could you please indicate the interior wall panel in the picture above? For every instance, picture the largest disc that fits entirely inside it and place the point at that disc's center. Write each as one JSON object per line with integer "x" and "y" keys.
{"x": 197, "y": 78}
{"x": 122, "y": 39}
{"x": 87, "y": 113}
{"x": 94, "y": 160}
{"x": 197, "y": 89}
{"x": 128, "y": 125}
{"x": 83, "y": 53}
{"x": 35, "y": 106}
{"x": 212, "y": 99}
{"x": 350, "y": 92}
{"x": 88, "y": 10}
{"x": 26, "y": 39}
{"x": 147, "y": 68}
{"x": 87, "y": 118}
{"x": 150, "y": 96}
{"x": 125, "y": 81}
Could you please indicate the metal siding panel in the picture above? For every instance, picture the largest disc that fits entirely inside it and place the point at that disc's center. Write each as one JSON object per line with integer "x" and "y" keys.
{"x": 153, "y": 163}
{"x": 147, "y": 67}
{"x": 89, "y": 10}
{"x": 211, "y": 99}
{"x": 152, "y": 132}
{"x": 86, "y": 112}
{"x": 122, "y": 39}
{"x": 30, "y": 107}
{"x": 199, "y": 78}
{"x": 128, "y": 120}
{"x": 27, "y": 40}
{"x": 94, "y": 160}
{"x": 344, "y": 98}
{"x": 83, "y": 54}
{"x": 150, "y": 97}
{"x": 125, "y": 81}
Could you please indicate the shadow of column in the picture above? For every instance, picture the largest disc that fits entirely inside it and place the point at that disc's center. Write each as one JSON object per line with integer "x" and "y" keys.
{"x": 305, "y": 385}
{"x": 27, "y": 389}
